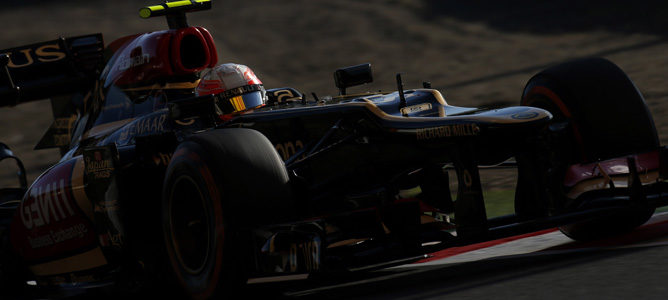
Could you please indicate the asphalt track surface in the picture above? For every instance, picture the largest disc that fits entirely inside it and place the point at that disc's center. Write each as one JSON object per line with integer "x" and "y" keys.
{"x": 539, "y": 265}
{"x": 546, "y": 265}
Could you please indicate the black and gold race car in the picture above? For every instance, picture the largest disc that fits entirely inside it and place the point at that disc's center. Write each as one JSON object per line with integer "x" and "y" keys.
{"x": 177, "y": 169}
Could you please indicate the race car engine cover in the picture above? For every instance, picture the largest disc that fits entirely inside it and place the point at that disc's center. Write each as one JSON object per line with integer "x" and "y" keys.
{"x": 155, "y": 56}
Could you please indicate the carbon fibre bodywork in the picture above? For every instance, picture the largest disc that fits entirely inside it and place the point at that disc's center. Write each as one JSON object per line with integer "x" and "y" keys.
{"x": 369, "y": 172}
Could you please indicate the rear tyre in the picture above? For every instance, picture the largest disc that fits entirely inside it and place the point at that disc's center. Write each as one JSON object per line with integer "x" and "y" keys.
{"x": 606, "y": 117}
{"x": 218, "y": 184}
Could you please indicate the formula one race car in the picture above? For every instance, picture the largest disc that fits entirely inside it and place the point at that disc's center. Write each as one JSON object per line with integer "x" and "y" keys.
{"x": 177, "y": 169}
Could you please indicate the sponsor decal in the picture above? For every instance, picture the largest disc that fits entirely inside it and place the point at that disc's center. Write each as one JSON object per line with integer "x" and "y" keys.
{"x": 284, "y": 96}
{"x": 101, "y": 188}
{"x": 111, "y": 239}
{"x": 144, "y": 126}
{"x": 47, "y": 203}
{"x": 524, "y": 115}
{"x": 98, "y": 167}
{"x": 457, "y": 130}
{"x": 238, "y": 91}
{"x": 49, "y": 221}
{"x": 58, "y": 236}
{"x": 44, "y": 53}
{"x": 149, "y": 125}
{"x": 63, "y": 128}
{"x": 134, "y": 61}
{"x": 65, "y": 123}
{"x": 162, "y": 159}
{"x": 415, "y": 108}
{"x": 288, "y": 149}
{"x": 291, "y": 252}
{"x": 310, "y": 254}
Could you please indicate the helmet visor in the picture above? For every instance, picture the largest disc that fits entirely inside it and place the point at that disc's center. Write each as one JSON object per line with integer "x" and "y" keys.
{"x": 241, "y": 102}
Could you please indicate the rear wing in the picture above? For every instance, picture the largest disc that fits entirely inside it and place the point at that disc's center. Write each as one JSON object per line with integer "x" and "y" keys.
{"x": 50, "y": 68}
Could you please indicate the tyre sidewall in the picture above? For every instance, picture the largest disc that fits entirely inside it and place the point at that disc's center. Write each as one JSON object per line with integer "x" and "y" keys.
{"x": 188, "y": 161}
{"x": 246, "y": 185}
{"x": 607, "y": 117}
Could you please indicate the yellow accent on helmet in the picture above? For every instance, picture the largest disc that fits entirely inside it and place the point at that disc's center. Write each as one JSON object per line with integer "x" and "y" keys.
{"x": 238, "y": 103}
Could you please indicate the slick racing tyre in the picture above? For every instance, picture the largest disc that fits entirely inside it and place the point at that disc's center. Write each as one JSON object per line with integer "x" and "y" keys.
{"x": 603, "y": 115}
{"x": 218, "y": 184}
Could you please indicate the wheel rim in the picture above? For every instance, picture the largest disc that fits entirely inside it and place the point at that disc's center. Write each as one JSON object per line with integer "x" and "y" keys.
{"x": 190, "y": 225}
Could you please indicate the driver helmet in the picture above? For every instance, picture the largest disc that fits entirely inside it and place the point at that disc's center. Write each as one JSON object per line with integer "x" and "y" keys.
{"x": 236, "y": 87}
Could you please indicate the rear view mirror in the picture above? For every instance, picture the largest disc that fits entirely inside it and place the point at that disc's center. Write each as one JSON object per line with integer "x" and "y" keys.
{"x": 6, "y": 153}
{"x": 352, "y": 76}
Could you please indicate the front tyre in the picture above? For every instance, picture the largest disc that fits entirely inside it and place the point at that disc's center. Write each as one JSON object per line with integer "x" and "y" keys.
{"x": 604, "y": 116}
{"x": 218, "y": 184}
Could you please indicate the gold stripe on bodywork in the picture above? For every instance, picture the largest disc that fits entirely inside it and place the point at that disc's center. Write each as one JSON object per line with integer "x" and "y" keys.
{"x": 437, "y": 95}
{"x": 84, "y": 261}
{"x": 474, "y": 117}
{"x": 168, "y": 86}
{"x": 106, "y": 128}
{"x": 78, "y": 188}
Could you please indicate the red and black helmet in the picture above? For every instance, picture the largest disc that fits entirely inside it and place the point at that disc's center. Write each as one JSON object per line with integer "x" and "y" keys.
{"x": 236, "y": 87}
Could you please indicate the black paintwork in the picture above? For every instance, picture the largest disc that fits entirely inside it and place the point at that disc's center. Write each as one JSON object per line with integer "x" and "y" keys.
{"x": 349, "y": 157}
{"x": 380, "y": 148}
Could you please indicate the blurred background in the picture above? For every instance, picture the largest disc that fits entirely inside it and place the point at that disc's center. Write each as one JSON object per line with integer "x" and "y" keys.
{"x": 477, "y": 52}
